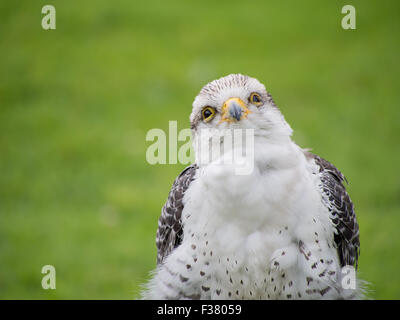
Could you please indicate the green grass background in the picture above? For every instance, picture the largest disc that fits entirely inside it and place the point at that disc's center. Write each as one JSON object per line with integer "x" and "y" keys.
{"x": 76, "y": 103}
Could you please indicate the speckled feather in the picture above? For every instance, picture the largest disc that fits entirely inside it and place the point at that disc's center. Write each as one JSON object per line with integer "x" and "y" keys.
{"x": 169, "y": 232}
{"x": 342, "y": 212}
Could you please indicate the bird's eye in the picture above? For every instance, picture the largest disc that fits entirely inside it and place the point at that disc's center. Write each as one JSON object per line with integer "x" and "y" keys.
{"x": 255, "y": 98}
{"x": 208, "y": 113}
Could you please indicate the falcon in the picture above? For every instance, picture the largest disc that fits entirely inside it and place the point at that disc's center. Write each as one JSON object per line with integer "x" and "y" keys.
{"x": 285, "y": 230}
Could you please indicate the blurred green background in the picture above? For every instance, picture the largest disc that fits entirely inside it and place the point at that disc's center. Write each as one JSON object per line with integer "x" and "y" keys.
{"x": 76, "y": 103}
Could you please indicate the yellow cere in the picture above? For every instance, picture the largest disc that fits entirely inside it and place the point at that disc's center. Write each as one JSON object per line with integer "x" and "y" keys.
{"x": 225, "y": 110}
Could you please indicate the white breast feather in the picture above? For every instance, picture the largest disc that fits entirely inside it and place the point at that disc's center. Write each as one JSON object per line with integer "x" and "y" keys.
{"x": 261, "y": 236}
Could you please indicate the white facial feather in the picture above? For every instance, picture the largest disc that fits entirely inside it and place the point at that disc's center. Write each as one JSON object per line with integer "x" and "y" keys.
{"x": 265, "y": 119}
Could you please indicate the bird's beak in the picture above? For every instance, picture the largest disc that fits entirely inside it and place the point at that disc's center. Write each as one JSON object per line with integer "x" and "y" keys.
{"x": 233, "y": 110}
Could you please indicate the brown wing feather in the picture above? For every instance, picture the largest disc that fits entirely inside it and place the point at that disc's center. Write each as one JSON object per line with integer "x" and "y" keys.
{"x": 169, "y": 233}
{"x": 342, "y": 212}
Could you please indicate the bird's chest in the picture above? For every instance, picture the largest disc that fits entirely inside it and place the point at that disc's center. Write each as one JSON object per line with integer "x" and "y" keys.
{"x": 265, "y": 264}
{"x": 241, "y": 233}
{"x": 239, "y": 267}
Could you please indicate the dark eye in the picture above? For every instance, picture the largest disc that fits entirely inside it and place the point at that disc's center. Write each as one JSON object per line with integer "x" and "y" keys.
{"x": 208, "y": 113}
{"x": 255, "y": 98}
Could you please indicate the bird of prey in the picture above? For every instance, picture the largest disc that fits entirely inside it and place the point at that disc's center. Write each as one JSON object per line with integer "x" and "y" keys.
{"x": 286, "y": 230}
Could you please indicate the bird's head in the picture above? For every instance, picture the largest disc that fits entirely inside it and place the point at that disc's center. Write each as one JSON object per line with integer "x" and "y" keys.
{"x": 238, "y": 102}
